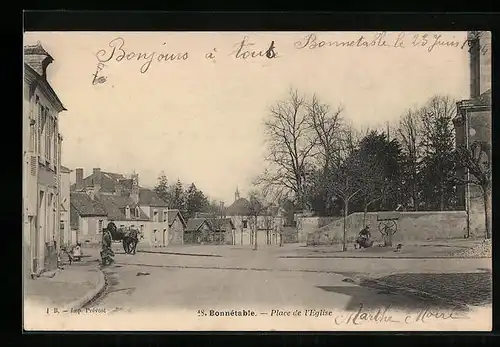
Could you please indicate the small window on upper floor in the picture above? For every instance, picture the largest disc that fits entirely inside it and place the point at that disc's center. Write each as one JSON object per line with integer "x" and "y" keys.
{"x": 245, "y": 224}
{"x": 155, "y": 216}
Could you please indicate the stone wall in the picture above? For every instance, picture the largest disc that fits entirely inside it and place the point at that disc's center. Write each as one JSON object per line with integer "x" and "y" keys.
{"x": 411, "y": 226}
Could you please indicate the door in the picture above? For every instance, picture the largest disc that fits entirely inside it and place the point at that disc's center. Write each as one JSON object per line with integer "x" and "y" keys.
{"x": 33, "y": 244}
{"x": 40, "y": 234}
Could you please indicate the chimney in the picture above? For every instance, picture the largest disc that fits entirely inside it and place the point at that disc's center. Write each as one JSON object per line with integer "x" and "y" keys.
{"x": 134, "y": 194}
{"x": 79, "y": 179}
{"x": 97, "y": 181}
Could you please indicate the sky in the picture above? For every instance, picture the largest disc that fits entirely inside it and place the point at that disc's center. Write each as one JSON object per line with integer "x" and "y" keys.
{"x": 201, "y": 120}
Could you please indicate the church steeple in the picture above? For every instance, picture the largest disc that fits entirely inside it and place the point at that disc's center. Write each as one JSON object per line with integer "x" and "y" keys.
{"x": 236, "y": 194}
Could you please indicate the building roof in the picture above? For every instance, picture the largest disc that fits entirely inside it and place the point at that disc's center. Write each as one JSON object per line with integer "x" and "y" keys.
{"x": 36, "y": 49}
{"x": 115, "y": 206}
{"x": 240, "y": 207}
{"x": 109, "y": 180}
{"x": 225, "y": 222}
{"x": 150, "y": 198}
{"x": 44, "y": 86}
{"x": 483, "y": 100}
{"x": 65, "y": 169}
{"x": 85, "y": 206}
{"x": 194, "y": 224}
{"x": 173, "y": 215}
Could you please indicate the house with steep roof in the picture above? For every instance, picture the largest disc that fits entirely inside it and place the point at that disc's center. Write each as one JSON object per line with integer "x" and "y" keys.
{"x": 127, "y": 204}
{"x": 88, "y": 217}
{"x": 41, "y": 164}
{"x": 267, "y": 224}
{"x": 198, "y": 231}
{"x": 177, "y": 226}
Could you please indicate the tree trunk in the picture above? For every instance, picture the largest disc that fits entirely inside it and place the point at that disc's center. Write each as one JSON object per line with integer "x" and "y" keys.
{"x": 344, "y": 239}
{"x": 364, "y": 215}
{"x": 241, "y": 236}
{"x": 255, "y": 240}
{"x": 486, "y": 200}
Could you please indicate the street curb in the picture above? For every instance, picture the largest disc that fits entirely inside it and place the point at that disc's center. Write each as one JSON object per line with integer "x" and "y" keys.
{"x": 81, "y": 302}
{"x": 372, "y": 282}
{"x": 375, "y": 257}
{"x": 178, "y": 253}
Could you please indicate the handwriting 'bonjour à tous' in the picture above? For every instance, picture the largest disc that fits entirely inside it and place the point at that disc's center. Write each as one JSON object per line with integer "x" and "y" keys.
{"x": 117, "y": 51}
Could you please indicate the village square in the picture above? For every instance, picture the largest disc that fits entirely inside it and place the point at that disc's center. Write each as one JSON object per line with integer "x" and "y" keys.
{"x": 340, "y": 217}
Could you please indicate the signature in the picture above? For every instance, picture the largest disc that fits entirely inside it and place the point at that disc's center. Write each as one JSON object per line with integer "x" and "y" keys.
{"x": 383, "y": 315}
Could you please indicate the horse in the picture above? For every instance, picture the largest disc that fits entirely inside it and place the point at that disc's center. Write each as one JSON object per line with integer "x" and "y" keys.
{"x": 130, "y": 240}
{"x": 129, "y": 237}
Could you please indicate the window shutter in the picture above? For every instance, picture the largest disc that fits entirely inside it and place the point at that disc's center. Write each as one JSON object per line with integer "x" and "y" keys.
{"x": 33, "y": 165}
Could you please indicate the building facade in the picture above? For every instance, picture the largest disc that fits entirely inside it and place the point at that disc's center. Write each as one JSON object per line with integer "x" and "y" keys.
{"x": 268, "y": 224}
{"x": 177, "y": 225}
{"x": 473, "y": 124}
{"x": 88, "y": 217}
{"x": 41, "y": 164}
{"x": 67, "y": 237}
{"x": 127, "y": 204}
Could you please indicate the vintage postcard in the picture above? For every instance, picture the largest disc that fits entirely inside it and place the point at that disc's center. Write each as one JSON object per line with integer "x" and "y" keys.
{"x": 268, "y": 181}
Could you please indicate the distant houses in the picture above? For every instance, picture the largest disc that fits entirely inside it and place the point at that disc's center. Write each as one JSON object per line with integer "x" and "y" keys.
{"x": 177, "y": 226}
{"x": 268, "y": 223}
{"x": 209, "y": 229}
{"x": 104, "y": 196}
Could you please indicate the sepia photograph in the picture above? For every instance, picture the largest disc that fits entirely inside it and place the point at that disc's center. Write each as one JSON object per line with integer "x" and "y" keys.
{"x": 257, "y": 181}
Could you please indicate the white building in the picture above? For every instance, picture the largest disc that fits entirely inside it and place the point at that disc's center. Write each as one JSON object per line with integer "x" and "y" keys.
{"x": 41, "y": 164}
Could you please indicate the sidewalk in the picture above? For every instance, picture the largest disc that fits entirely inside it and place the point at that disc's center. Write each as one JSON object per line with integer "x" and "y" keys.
{"x": 457, "y": 248}
{"x": 72, "y": 287}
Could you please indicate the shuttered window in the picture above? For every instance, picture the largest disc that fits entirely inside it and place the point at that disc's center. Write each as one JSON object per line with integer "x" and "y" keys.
{"x": 33, "y": 165}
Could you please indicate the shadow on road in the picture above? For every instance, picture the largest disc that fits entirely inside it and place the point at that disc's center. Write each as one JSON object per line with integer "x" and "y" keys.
{"x": 468, "y": 288}
{"x": 373, "y": 299}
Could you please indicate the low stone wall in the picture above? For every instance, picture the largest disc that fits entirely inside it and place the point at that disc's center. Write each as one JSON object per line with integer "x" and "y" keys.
{"x": 411, "y": 226}
{"x": 306, "y": 225}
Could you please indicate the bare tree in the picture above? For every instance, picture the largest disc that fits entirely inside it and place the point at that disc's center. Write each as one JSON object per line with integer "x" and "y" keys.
{"x": 409, "y": 138}
{"x": 291, "y": 145}
{"x": 477, "y": 161}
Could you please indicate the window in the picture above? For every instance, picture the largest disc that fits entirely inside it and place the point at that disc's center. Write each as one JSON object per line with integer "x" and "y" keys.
{"x": 122, "y": 226}
{"x": 165, "y": 216}
{"x": 245, "y": 224}
{"x": 155, "y": 216}
{"x": 127, "y": 212}
{"x": 42, "y": 131}
{"x": 142, "y": 227}
{"x": 137, "y": 212}
{"x": 32, "y": 139}
{"x": 38, "y": 117}
{"x": 99, "y": 226}
{"x": 50, "y": 131}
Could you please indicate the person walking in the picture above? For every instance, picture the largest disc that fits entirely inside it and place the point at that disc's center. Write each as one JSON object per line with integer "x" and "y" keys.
{"x": 107, "y": 253}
